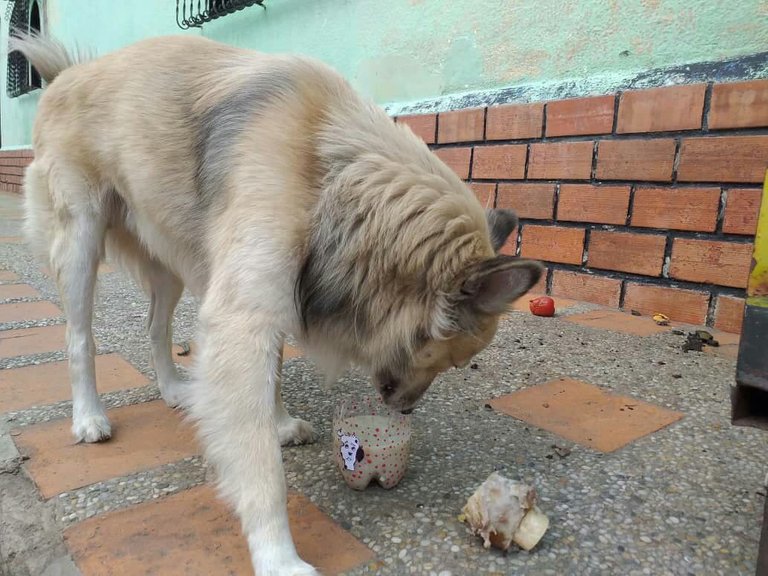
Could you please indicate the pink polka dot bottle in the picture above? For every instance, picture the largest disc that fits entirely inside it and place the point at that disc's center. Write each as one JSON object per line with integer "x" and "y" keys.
{"x": 370, "y": 442}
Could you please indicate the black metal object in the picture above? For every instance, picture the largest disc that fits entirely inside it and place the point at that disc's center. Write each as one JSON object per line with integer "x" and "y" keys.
{"x": 750, "y": 397}
{"x": 195, "y": 13}
{"x": 762, "y": 552}
{"x": 22, "y": 78}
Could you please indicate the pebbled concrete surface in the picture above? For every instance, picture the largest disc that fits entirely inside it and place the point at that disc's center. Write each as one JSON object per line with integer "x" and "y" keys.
{"x": 685, "y": 500}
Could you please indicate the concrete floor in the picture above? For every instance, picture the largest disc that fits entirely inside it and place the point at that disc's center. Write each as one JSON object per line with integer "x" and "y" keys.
{"x": 684, "y": 499}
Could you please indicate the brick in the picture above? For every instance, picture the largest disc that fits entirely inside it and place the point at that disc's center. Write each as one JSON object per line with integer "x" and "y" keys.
{"x": 729, "y": 313}
{"x": 14, "y": 291}
{"x": 739, "y": 105}
{"x": 676, "y": 208}
{"x": 586, "y": 287}
{"x": 48, "y": 383}
{"x": 627, "y": 252}
{"x": 506, "y": 161}
{"x": 680, "y": 305}
{"x": 580, "y": 116}
{"x": 728, "y": 345}
{"x": 461, "y": 126}
{"x": 742, "y": 207}
{"x": 528, "y": 200}
{"x": 661, "y": 109}
{"x": 553, "y": 243}
{"x": 636, "y": 159}
{"x": 27, "y": 341}
{"x": 485, "y": 193}
{"x": 457, "y": 159}
{"x": 588, "y": 203}
{"x": 616, "y": 321}
{"x": 423, "y": 125}
{"x": 21, "y": 311}
{"x": 8, "y": 276}
{"x": 586, "y": 414}
{"x": 540, "y": 288}
{"x": 723, "y": 159}
{"x": 515, "y": 121}
{"x": 145, "y": 436}
{"x": 14, "y": 170}
{"x": 150, "y": 539}
{"x": 711, "y": 262}
{"x": 560, "y": 160}
{"x": 510, "y": 246}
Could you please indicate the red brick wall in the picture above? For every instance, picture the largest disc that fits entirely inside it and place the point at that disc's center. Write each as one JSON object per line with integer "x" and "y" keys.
{"x": 645, "y": 200}
{"x": 12, "y": 165}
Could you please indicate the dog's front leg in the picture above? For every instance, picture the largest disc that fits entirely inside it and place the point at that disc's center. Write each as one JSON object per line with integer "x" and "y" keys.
{"x": 233, "y": 401}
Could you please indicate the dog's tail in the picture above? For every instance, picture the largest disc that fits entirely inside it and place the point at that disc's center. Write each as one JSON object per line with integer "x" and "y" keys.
{"x": 47, "y": 55}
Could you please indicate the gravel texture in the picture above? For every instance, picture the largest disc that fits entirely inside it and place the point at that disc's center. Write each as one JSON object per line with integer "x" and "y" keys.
{"x": 685, "y": 500}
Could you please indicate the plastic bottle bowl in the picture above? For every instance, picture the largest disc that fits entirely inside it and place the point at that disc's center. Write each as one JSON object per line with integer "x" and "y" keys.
{"x": 370, "y": 443}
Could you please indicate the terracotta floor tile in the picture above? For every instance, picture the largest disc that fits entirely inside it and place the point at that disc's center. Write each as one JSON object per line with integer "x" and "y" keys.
{"x": 13, "y": 291}
{"x": 32, "y": 341}
{"x": 193, "y": 532}
{"x": 291, "y": 352}
{"x": 20, "y": 311}
{"x": 288, "y": 353}
{"x": 184, "y": 360}
{"x": 618, "y": 322}
{"x": 11, "y": 240}
{"x": 49, "y": 383}
{"x": 523, "y": 304}
{"x": 585, "y": 414}
{"x": 8, "y": 276}
{"x": 729, "y": 344}
{"x": 144, "y": 436}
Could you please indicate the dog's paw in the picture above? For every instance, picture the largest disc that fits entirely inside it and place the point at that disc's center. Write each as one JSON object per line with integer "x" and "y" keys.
{"x": 172, "y": 393}
{"x": 294, "y": 431}
{"x": 93, "y": 428}
{"x": 298, "y": 568}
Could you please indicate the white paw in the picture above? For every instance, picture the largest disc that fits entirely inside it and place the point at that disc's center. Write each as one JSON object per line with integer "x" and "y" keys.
{"x": 93, "y": 428}
{"x": 295, "y": 431}
{"x": 296, "y": 568}
{"x": 172, "y": 393}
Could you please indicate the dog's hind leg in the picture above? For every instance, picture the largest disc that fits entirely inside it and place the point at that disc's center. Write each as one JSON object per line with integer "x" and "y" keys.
{"x": 165, "y": 291}
{"x": 62, "y": 200}
{"x": 290, "y": 430}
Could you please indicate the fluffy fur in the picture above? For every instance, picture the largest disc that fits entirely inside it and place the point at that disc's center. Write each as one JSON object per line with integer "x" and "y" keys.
{"x": 286, "y": 204}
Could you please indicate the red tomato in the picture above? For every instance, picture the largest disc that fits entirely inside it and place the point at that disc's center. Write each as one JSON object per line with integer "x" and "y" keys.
{"x": 542, "y": 306}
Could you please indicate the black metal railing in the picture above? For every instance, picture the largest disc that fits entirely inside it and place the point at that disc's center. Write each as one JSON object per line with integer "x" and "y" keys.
{"x": 195, "y": 13}
{"x": 21, "y": 77}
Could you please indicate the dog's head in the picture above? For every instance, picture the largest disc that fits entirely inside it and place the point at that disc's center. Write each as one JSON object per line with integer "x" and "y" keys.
{"x": 473, "y": 306}
{"x": 403, "y": 277}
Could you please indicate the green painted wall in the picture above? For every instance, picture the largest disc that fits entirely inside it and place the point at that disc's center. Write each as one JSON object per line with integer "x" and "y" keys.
{"x": 99, "y": 26}
{"x": 405, "y": 51}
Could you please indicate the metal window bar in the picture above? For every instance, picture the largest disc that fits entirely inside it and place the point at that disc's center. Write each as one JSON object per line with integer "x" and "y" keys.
{"x": 21, "y": 78}
{"x": 195, "y": 13}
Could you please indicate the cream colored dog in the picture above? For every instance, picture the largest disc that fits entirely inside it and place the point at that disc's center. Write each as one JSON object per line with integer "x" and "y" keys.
{"x": 286, "y": 204}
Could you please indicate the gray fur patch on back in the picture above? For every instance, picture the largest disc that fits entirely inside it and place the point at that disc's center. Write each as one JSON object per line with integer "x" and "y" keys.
{"x": 222, "y": 124}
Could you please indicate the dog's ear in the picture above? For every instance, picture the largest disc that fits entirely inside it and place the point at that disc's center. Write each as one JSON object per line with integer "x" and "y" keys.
{"x": 501, "y": 222}
{"x": 492, "y": 285}
{"x": 360, "y": 454}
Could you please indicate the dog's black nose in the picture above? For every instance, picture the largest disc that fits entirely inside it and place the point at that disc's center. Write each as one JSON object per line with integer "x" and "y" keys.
{"x": 406, "y": 412}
